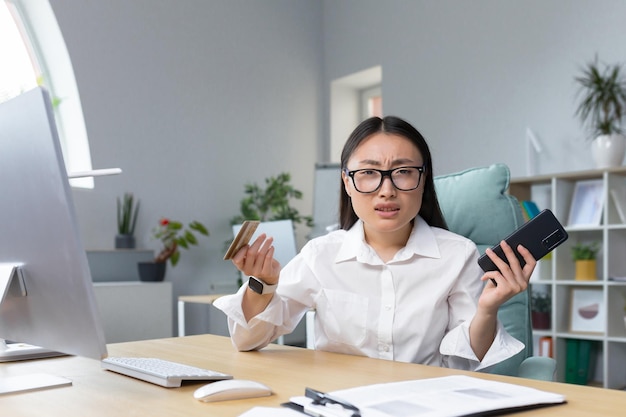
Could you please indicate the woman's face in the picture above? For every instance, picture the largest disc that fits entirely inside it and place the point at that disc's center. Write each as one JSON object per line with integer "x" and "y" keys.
{"x": 386, "y": 209}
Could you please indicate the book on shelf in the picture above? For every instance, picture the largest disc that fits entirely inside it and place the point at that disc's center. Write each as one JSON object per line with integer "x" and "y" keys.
{"x": 456, "y": 395}
{"x": 529, "y": 209}
{"x": 545, "y": 346}
{"x": 578, "y": 361}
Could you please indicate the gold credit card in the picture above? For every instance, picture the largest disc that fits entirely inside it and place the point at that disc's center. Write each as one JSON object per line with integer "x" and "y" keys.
{"x": 243, "y": 237}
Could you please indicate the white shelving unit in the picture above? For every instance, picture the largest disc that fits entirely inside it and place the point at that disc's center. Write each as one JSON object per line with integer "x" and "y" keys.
{"x": 556, "y": 273}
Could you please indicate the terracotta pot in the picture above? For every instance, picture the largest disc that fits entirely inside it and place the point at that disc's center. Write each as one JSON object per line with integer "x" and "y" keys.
{"x": 586, "y": 270}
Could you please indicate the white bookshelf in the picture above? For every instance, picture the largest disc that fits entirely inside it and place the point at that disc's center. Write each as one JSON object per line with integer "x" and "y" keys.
{"x": 556, "y": 273}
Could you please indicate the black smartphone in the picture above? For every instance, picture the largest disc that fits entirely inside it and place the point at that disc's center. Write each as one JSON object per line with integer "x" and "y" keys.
{"x": 539, "y": 235}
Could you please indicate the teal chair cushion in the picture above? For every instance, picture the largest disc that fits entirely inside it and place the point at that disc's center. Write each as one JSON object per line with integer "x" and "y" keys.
{"x": 476, "y": 205}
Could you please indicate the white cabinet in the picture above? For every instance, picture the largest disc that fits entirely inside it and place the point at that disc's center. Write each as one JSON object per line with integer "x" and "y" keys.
{"x": 135, "y": 310}
{"x": 556, "y": 272}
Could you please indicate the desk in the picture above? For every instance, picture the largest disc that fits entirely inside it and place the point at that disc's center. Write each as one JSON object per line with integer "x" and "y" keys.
{"x": 198, "y": 299}
{"x": 288, "y": 370}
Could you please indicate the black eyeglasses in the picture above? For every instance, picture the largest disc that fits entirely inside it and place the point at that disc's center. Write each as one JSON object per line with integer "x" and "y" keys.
{"x": 369, "y": 180}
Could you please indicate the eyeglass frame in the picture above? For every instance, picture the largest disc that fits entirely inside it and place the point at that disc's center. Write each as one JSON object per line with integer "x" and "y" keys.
{"x": 383, "y": 174}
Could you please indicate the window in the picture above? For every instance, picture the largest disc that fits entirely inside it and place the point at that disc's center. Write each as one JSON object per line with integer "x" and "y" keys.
{"x": 20, "y": 75}
{"x": 353, "y": 98}
{"x": 33, "y": 53}
{"x": 371, "y": 102}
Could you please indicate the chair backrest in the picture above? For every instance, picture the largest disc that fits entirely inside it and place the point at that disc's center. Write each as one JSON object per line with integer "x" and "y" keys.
{"x": 475, "y": 204}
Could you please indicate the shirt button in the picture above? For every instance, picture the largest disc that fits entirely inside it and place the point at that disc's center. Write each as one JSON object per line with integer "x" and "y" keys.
{"x": 387, "y": 307}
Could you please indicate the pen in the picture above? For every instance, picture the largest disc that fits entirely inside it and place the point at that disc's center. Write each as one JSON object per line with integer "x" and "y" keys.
{"x": 320, "y": 398}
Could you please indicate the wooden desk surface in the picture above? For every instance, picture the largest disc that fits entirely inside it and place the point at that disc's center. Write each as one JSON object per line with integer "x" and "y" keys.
{"x": 287, "y": 370}
{"x": 200, "y": 299}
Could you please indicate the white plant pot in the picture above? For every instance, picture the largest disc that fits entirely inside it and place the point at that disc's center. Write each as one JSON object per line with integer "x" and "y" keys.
{"x": 608, "y": 150}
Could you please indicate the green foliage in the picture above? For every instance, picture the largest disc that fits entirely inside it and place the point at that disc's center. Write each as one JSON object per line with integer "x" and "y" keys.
{"x": 174, "y": 236}
{"x": 272, "y": 202}
{"x": 540, "y": 302}
{"x": 127, "y": 213}
{"x": 603, "y": 101}
{"x": 585, "y": 251}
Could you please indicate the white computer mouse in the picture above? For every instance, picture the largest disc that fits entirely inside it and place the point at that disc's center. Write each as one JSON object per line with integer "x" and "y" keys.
{"x": 231, "y": 389}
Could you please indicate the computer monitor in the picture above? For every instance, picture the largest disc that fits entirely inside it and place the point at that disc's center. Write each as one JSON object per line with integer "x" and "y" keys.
{"x": 46, "y": 291}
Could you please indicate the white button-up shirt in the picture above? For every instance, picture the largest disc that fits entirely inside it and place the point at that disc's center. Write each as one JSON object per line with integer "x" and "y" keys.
{"x": 415, "y": 308}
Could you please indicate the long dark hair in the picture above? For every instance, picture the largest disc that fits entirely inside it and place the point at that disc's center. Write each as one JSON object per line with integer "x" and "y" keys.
{"x": 430, "y": 210}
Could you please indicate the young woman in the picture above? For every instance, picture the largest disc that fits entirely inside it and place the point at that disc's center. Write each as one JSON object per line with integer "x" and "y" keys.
{"x": 392, "y": 283}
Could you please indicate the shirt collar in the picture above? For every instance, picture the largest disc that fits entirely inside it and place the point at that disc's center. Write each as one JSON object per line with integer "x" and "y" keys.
{"x": 422, "y": 242}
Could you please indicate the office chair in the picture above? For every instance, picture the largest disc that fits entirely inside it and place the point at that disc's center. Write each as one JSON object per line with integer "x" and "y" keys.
{"x": 475, "y": 204}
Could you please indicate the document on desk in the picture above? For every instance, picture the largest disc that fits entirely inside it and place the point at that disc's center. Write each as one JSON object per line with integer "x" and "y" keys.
{"x": 449, "y": 396}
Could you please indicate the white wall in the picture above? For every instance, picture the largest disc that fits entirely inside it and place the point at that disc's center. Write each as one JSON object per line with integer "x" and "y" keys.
{"x": 192, "y": 99}
{"x": 472, "y": 75}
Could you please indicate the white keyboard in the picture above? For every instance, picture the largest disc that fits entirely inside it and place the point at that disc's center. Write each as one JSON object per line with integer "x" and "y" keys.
{"x": 160, "y": 372}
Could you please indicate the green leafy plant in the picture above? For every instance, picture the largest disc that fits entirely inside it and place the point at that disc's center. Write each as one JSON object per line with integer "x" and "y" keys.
{"x": 272, "y": 202}
{"x": 127, "y": 212}
{"x": 540, "y": 302}
{"x": 603, "y": 101}
{"x": 585, "y": 251}
{"x": 174, "y": 236}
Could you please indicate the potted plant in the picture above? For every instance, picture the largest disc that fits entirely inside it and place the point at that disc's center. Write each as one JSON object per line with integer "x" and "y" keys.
{"x": 584, "y": 256}
{"x": 602, "y": 108}
{"x": 173, "y": 236}
{"x": 272, "y": 202}
{"x": 540, "y": 306}
{"x": 127, "y": 211}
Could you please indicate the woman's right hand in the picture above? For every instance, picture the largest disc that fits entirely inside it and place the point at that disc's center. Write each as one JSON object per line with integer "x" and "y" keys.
{"x": 257, "y": 259}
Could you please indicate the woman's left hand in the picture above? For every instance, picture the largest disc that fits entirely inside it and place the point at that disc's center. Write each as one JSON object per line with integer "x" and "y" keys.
{"x": 511, "y": 278}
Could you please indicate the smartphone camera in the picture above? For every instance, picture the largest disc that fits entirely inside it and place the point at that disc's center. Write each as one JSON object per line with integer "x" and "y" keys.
{"x": 553, "y": 239}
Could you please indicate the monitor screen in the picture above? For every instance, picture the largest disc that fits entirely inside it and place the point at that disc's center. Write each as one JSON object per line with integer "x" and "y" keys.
{"x": 46, "y": 289}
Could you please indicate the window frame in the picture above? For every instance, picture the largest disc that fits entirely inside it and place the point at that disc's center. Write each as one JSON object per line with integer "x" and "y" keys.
{"x": 44, "y": 40}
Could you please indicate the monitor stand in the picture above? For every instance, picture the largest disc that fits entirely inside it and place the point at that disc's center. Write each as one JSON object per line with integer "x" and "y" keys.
{"x": 12, "y": 285}
{"x": 10, "y": 352}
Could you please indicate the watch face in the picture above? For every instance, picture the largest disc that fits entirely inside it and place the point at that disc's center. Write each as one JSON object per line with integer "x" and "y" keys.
{"x": 255, "y": 285}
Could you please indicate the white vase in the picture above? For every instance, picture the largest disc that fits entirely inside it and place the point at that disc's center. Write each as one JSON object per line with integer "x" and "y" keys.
{"x": 608, "y": 150}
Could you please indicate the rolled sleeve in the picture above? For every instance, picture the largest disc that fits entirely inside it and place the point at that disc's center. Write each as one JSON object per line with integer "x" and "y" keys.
{"x": 457, "y": 349}
{"x": 249, "y": 335}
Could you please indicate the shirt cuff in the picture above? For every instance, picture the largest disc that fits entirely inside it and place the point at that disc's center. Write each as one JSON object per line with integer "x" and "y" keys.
{"x": 456, "y": 345}
{"x": 231, "y": 306}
